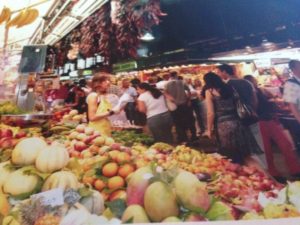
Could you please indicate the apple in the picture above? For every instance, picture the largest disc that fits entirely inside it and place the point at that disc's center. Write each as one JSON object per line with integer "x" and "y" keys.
{"x": 81, "y": 137}
{"x": 75, "y": 154}
{"x": 103, "y": 150}
{"x": 99, "y": 141}
{"x": 97, "y": 133}
{"x": 80, "y": 146}
{"x": 116, "y": 146}
{"x": 86, "y": 154}
{"x": 109, "y": 141}
{"x": 94, "y": 149}
{"x": 80, "y": 128}
{"x": 14, "y": 142}
{"x": 21, "y": 134}
{"x": 89, "y": 131}
{"x": 5, "y": 133}
{"x": 73, "y": 112}
{"x": 6, "y": 143}
{"x": 73, "y": 135}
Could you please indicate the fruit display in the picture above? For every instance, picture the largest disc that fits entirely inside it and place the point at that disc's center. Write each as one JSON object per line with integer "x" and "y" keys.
{"x": 130, "y": 137}
{"x": 9, "y": 108}
{"x": 112, "y": 181}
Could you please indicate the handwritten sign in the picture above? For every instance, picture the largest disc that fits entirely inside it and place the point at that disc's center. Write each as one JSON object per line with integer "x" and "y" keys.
{"x": 52, "y": 198}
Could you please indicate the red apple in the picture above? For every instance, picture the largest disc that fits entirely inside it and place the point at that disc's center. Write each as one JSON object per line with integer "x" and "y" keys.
{"x": 6, "y": 133}
{"x": 115, "y": 146}
{"x": 193, "y": 217}
{"x": 21, "y": 134}
{"x": 80, "y": 128}
{"x": 6, "y": 143}
{"x": 80, "y": 146}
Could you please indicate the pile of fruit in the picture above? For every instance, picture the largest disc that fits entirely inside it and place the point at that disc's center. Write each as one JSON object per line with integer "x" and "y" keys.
{"x": 114, "y": 182}
{"x": 9, "y": 108}
{"x": 130, "y": 137}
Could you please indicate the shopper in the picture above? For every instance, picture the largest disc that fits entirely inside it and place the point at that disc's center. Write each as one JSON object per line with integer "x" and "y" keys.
{"x": 183, "y": 116}
{"x": 234, "y": 139}
{"x": 79, "y": 102}
{"x": 132, "y": 94}
{"x": 152, "y": 102}
{"x": 195, "y": 104}
{"x": 291, "y": 93}
{"x": 83, "y": 85}
{"x": 243, "y": 87}
{"x": 99, "y": 108}
{"x": 272, "y": 131}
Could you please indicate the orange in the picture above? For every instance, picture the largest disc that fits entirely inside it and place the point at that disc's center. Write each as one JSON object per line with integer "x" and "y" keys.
{"x": 119, "y": 194}
{"x": 88, "y": 180}
{"x": 110, "y": 169}
{"x": 123, "y": 157}
{"x": 116, "y": 182}
{"x": 99, "y": 185}
{"x": 125, "y": 170}
{"x": 113, "y": 154}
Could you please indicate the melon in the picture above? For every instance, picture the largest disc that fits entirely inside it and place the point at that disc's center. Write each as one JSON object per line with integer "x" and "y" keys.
{"x": 94, "y": 203}
{"x": 61, "y": 179}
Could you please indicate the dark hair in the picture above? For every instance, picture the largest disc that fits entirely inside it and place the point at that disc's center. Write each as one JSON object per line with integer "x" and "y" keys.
{"x": 213, "y": 81}
{"x": 249, "y": 78}
{"x": 154, "y": 91}
{"x": 293, "y": 63}
{"x": 134, "y": 82}
{"x": 99, "y": 78}
{"x": 227, "y": 68}
{"x": 82, "y": 82}
{"x": 173, "y": 74}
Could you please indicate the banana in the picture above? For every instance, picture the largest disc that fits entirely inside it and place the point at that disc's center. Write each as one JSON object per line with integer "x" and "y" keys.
{"x": 31, "y": 16}
{"x": 17, "y": 19}
{"x": 5, "y": 15}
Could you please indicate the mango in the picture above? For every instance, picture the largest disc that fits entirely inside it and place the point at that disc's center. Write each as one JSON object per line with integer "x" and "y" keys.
{"x": 220, "y": 211}
{"x": 137, "y": 185}
{"x": 160, "y": 202}
{"x": 191, "y": 193}
{"x": 4, "y": 205}
{"x": 135, "y": 214}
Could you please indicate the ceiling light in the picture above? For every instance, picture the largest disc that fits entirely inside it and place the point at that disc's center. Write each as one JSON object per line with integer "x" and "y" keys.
{"x": 147, "y": 37}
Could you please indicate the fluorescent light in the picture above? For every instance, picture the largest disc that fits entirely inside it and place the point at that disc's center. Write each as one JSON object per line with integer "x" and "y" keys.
{"x": 65, "y": 26}
{"x": 51, "y": 39}
{"x": 84, "y": 8}
{"x": 147, "y": 37}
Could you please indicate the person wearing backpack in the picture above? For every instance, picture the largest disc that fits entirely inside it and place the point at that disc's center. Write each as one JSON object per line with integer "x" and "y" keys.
{"x": 291, "y": 91}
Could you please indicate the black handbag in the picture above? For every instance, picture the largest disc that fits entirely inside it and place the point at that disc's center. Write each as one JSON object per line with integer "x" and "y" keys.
{"x": 243, "y": 110}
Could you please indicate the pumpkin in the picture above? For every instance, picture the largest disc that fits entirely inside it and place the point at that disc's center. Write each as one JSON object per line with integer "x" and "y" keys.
{"x": 61, "y": 179}
{"x": 4, "y": 172}
{"x": 94, "y": 203}
{"x": 52, "y": 158}
{"x": 21, "y": 185}
{"x": 27, "y": 150}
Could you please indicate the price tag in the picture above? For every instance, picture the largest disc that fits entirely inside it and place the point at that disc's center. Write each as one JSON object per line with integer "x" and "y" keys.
{"x": 52, "y": 198}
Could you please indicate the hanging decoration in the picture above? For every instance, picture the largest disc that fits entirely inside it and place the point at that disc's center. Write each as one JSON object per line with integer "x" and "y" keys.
{"x": 114, "y": 31}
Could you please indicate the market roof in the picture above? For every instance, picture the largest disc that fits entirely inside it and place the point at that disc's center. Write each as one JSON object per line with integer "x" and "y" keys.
{"x": 213, "y": 26}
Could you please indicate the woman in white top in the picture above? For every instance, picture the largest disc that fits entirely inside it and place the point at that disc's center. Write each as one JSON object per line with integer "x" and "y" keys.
{"x": 152, "y": 102}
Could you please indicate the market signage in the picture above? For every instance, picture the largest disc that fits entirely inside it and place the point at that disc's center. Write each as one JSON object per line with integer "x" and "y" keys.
{"x": 122, "y": 67}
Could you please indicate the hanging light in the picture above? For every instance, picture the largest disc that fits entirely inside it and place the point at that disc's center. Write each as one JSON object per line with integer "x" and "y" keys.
{"x": 147, "y": 37}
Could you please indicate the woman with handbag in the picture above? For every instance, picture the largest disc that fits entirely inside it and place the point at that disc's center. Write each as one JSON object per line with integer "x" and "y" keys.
{"x": 152, "y": 102}
{"x": 234, "y": 139}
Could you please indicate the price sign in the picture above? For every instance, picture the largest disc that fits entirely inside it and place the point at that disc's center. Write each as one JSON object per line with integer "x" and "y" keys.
{"x": 52, "y": 198}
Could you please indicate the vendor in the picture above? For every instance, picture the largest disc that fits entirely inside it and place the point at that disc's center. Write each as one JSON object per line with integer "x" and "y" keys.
{"x": 99, "y": 108}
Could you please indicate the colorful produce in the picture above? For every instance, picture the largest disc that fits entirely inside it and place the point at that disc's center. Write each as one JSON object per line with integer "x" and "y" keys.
{"x": 135, "y": 214}
{"x": 4, "y": 204}
{"x": 137, "y": 185}
{"x": 61, "y": 179}
{"x": 160, "y": 202}
{"x": 171, "y": 219}
{"x": 27, "y": 150}
{"x": 191, "y": 193}
{"x": 221, "y": 211}
{"x": 52, "y": 158}
{"x": 9, "y": 108}
{"x": 30, "y": 184}
{"x": 129, "y": 138}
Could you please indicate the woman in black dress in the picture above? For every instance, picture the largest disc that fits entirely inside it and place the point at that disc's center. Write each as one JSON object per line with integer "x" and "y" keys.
{"x": 234, "y": 140}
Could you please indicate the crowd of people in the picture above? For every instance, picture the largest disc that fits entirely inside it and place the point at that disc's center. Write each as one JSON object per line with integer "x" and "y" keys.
{"x": 195, "y": 110}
